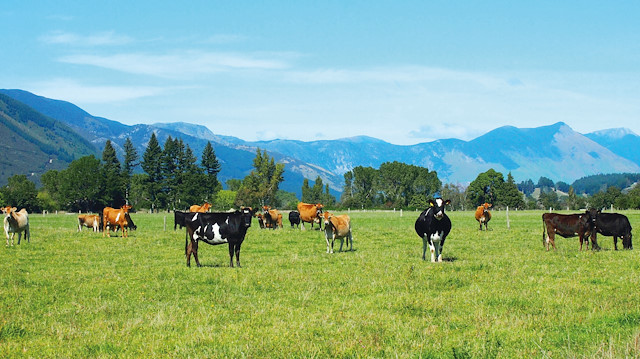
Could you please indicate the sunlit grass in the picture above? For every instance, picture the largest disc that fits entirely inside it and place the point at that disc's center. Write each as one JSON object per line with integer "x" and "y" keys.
{"x": 498, "y": 293}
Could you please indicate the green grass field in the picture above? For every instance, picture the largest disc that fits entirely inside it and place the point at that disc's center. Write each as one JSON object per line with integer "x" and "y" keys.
{"x": 498, "y": 293}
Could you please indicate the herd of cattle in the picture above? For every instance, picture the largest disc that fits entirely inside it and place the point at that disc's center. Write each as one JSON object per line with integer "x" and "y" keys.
{"x": 433, "y": 225}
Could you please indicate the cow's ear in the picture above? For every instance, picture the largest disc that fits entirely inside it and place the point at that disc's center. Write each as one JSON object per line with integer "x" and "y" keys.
{"x": 447, "y": 201}
{"x": 431, "y": 203}
{"x": 13, "y": 209}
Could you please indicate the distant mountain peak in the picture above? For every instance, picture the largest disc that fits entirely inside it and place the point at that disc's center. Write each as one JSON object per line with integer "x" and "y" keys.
{"x": 614, "y": 133}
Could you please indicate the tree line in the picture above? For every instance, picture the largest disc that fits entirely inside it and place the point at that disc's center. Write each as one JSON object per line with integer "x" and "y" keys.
{"x": 172, "y": 178}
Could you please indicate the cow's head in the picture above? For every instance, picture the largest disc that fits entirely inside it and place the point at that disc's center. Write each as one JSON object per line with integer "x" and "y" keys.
{"x": 246, "y": 215}
{"x": 326, "y": 216}
{"x": 438, "y": 207}
{"x": 319, "y": 208}
{"x": 206, "y": 206}
{"x": 8, "y": 209}
{"x": 592, "y": 214}
{"x": 126, "y": 208}
{"x": 486, "y": 207}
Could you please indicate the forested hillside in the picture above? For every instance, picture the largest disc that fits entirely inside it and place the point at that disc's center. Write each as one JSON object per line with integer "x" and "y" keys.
{"x": 33, "y": 143}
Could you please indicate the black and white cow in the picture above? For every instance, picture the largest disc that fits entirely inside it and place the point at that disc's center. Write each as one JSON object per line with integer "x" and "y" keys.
{"x": 294, "y": 219}
{"x": 433, "y": 226}
{"x": 216, "y": 228}
{"x": 615, "y": 225}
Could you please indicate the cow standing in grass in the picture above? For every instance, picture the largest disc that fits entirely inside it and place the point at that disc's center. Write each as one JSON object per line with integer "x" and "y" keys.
{"x": 433, "y": 226}
{"x": 568, "y": 225}
{"x": 614, "y": 225}
{"x": 483, "y": 216}
{"x": 89, "y": 221}
{"x": 16, "y": 222}
{"x": 310, "y": 213}
{"x": 112, "y": 217}
{"x": 337, "y": 227}
{"x": 217, "y": 228}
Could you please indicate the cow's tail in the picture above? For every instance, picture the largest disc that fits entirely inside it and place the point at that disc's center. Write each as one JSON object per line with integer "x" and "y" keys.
{"x": 186, "y": 242}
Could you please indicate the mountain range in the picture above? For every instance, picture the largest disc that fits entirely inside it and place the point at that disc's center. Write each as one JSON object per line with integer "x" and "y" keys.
{"x": 555, "y": 151}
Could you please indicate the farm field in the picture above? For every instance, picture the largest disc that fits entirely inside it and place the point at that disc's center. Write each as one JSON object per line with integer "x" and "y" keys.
{"x": 498, "y": 293}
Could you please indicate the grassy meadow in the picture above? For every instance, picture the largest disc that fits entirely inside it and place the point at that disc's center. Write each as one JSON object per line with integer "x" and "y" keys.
{"x": 498, "y": 293}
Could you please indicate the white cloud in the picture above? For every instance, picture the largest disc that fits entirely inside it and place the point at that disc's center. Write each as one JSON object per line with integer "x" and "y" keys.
{"x": 178, "y": 65}
{"x": 77, "y": 93}
{"x": 107, "y": 38}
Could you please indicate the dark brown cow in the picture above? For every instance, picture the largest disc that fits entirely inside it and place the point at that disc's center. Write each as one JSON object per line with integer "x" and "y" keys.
{"x": 272, "y": 217}
{"x": 483, "y": 216}
{"x": 567, "y": 225}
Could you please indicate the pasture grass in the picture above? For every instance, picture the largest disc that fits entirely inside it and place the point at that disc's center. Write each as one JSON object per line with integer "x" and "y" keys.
{"x": 498, "y": 293}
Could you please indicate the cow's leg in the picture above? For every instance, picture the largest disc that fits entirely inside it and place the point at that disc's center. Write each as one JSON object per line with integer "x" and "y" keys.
{"x": 615, "y": 242}
{"x": 194, "y": 250}
{"x": 350, "y": 241}
{"x": 188, "y": 251}
{"x": 237, "y": 250}
{"x": 326, "y": 238}
{"x": 424, "y": 247}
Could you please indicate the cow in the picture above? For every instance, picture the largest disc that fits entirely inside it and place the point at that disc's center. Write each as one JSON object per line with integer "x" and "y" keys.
{"x": 16, "y": 222}
{"x": 433, "y": 226}
{"x": 89, "y": 221}
{"x": 178, "y": 219}
{"x": 217, "y": 228}
{"x": 272, "y": 217}
{"x": 294, "y": 218}
{"x": 197, "y": 208}
{"x": 483, "y": 216}
{"x": 567, "y": 225}
{"x": 260, "y": 218}
{"x": 310, "y": 213}
{"x": 337, "y": 227}
{"x": 116, "y": 218}
{"x": 613, "y": 225}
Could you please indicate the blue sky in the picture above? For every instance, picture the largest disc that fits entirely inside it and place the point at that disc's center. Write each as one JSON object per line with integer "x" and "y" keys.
{"x": 402, "y": 71}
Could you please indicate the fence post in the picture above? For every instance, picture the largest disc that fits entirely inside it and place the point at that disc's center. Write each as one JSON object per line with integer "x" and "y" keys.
{"x": 508, "y": 224}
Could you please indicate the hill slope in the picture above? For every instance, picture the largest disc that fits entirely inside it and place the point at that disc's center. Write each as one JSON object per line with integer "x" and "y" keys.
{"x": 33, "y": 143}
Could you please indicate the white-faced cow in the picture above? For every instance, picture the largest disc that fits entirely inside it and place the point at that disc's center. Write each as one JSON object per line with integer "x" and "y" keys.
{"x": 310, "y": 213}
{"x": 337, "y": 227}
{"x": 89, "y": 221}
{"x": 614, "y": 225}
{"x": 217, "y": 228}
{"x": 567, "y": 225}
{"x": 483, "y": 216}
{"x": 294, "y": 219}
{"x": 433, "y": 226}
{"x": 16, "y": 222}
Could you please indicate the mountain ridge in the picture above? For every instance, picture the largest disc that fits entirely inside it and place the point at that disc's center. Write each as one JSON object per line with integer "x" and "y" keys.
{"x": 555, "y": 151}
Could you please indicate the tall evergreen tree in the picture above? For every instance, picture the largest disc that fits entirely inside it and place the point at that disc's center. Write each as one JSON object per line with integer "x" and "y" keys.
{"x": 306, "y": 191}
{"x": 261, "y": 185}
{"x": 509, "y": 194}
{"x": 211, "y": 167}
{"x": 152, "y": 166}
{"x": 129, "y": 163}
{"x": 113, "y": 186}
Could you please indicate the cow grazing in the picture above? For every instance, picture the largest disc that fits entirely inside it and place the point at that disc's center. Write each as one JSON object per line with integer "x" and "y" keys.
{"x": 197, "y": 208}
{"x": 613, "y": 225}
{"x": 112, "y": 217}
{"x": 272, "y": 217}
{"x": 294, "y": 218}
{"x": 217, "y": 228}
{"x": 16, "y": 222}
{"x": 433, "y": 226}
{"x": 310, "y": 213}
{"x": 89, "y": 221}
{"x": 567, "y": 225}
{"x": 483, "y": 216}
{"x": 178, "y": 219}
{"x": 337, "y": 227}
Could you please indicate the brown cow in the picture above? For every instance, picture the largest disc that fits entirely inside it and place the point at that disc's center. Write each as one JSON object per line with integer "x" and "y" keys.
{"x": 89, "y": 221}
{"x": 16, "y": 222}
{"x": 567, "y": 225}
{"x": 115, "y": 217}
{"x": 272, "y": 217}
{"x": 483, "y": 216}
{"x": 204, "y": 208}
{"x": 310, "y": 213}
{"x": 337, "y": 227}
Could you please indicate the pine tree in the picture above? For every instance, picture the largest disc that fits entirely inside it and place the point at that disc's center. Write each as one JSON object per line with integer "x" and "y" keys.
{"x": 152, "y": 166}
{"x": 129, "y": 163}
{"x": 113, "y": 184}
{"x": 211, "y": 168}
